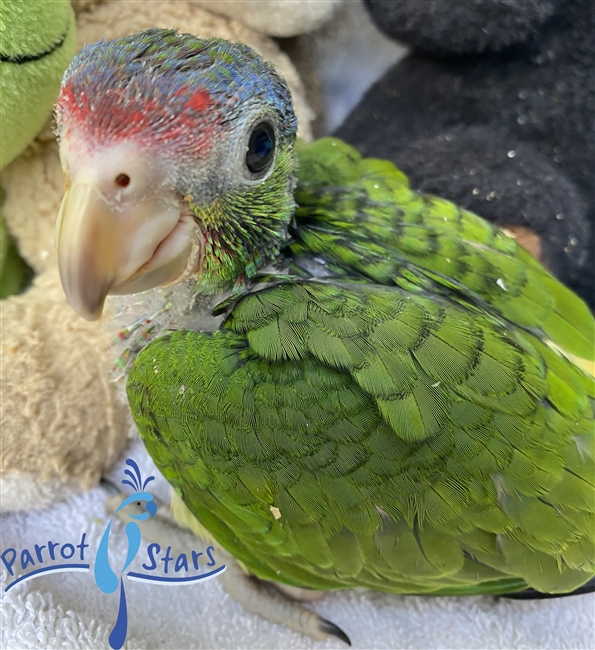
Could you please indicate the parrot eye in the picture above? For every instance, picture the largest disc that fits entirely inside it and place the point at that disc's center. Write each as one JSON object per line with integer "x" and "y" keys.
{"x": 261, "y": 148}
{"x": 123, "y": 180}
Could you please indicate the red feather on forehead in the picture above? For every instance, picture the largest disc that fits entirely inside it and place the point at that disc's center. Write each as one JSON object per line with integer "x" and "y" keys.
{"x": 186, "y": 120}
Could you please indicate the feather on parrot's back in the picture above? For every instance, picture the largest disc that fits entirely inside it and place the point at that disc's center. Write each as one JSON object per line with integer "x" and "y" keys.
{"x": 365, "y": 217}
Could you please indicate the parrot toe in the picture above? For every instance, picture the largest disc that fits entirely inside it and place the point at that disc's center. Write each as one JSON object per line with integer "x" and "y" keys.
{"x": 274, "y": 605}
{"x": 330, "y": 628}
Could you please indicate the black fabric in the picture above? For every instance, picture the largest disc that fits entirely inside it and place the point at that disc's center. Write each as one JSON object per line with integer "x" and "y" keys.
{"x": 508, "y": 135}
{"x": 461, "y": 27}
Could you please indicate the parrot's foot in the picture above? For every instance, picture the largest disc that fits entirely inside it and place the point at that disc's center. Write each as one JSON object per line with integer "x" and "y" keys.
{"x": 276, "y": 603}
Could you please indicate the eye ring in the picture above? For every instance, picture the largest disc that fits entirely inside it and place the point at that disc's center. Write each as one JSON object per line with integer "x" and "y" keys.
{"x": 260, "y": 151}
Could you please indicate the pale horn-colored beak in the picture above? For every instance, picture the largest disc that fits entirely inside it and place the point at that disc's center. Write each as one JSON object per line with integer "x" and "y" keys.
{"x": 109, "y": 246}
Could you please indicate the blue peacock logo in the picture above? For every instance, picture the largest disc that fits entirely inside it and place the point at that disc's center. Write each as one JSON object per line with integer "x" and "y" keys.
{"x": 162, "y": 567}
{"x": 105, "y": 577}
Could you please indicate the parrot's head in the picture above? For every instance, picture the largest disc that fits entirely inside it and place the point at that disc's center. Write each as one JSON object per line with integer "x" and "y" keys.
{"x": 178, "y": 159}
{"x": 139, "y": 506}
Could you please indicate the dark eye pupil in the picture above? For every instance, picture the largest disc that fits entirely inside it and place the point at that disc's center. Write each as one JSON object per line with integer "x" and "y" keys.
{"x": 261, "y": 147}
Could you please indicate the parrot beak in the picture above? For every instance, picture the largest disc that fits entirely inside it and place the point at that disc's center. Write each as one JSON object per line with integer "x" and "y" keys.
{"x": 110, "y": 245}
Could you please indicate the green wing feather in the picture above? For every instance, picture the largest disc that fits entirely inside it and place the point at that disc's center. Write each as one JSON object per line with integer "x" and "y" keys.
{"x": 347, "y": 435}
{"x": 362, "y": 214}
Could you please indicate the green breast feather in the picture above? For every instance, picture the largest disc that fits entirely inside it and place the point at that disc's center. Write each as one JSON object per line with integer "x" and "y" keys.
{"x": 404, "y": 423}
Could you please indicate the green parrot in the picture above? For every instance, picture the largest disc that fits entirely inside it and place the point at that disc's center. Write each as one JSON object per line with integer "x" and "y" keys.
{"x": 348, "y": 383}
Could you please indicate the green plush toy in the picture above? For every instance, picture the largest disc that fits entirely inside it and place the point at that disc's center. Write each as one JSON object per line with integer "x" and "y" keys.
{"x": 14, "y": 272}
{"x": 37, "y": 42}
